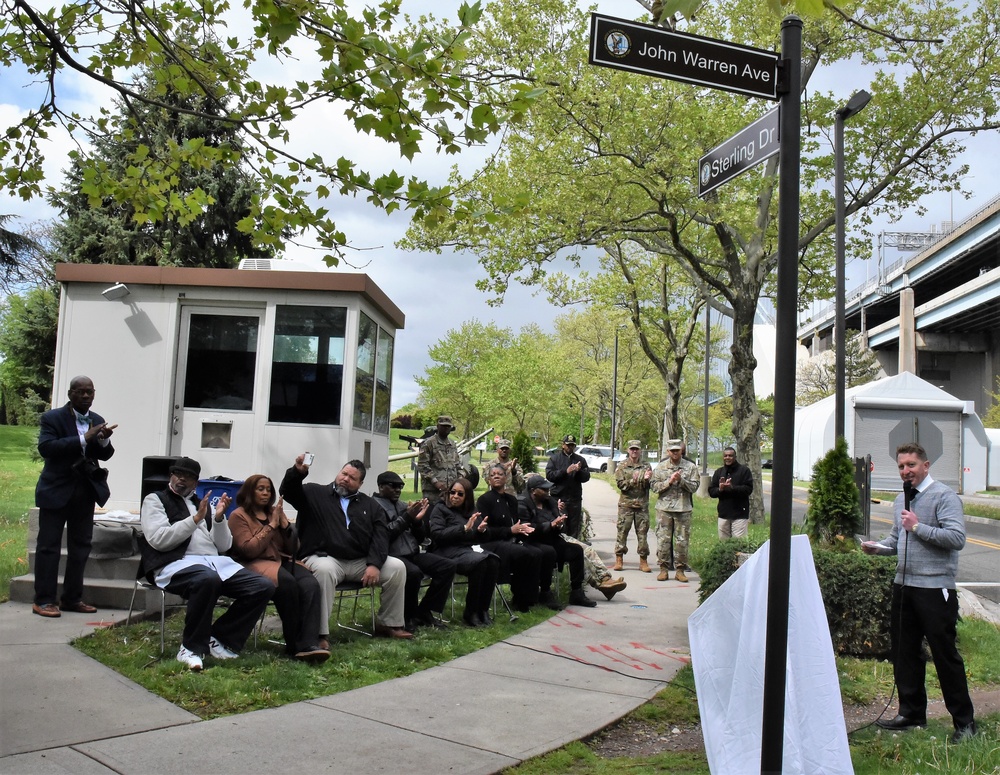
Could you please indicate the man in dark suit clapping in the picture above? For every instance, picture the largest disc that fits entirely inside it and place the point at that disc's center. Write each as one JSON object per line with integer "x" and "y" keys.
{"x": 71, "y": 440}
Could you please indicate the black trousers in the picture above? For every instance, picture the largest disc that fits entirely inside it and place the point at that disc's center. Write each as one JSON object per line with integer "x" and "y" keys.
{"x": 919, "y": 613}
{"x": 202, "y": 587}
{"x": 298, "y": 602}
{"x": 567, "y": 554}
{"x": 482, "y": 569}
{"x": 441, "y": 571}
{"x": 77, "y": 516}
{"x": 528, "y": 567}
{"x": 574, "y": 516}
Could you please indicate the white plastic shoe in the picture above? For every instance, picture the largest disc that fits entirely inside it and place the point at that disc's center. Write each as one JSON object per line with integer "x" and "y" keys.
{"x": 219, "y": 651}
{"x": 190, "y": 659}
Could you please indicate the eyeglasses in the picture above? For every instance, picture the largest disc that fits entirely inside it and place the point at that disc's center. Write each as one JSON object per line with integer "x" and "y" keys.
{"x": 456, "y": 492}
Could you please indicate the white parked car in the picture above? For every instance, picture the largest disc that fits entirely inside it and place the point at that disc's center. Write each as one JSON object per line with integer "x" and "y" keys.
{"x": 599, "y": 458}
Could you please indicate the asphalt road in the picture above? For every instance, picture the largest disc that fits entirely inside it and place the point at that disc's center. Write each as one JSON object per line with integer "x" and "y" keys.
{"x": 979, "y": 561}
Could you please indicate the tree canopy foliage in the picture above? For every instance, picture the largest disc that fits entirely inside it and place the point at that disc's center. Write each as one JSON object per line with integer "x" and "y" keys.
{"x": 609, "y": 156}
{"x": 98, "y": 229}
{"x": 260, "y": 67}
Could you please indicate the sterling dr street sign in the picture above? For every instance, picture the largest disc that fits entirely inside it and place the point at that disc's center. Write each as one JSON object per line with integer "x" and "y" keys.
{"x": 747, "y": 148}
{"x": 643, "y": 48}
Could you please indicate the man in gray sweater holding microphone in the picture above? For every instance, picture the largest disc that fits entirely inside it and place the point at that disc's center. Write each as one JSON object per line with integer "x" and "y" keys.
{"x": 927, "y": 534}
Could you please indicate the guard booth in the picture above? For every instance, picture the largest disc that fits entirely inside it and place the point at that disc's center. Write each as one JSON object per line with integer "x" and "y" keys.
{"x": 240, "y": 369}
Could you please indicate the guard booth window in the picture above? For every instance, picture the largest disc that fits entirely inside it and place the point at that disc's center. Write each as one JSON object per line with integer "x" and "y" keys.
{"x": 307, "y": 368}
{"x": 221, "y": 362}
{"x": 374, "y": 375}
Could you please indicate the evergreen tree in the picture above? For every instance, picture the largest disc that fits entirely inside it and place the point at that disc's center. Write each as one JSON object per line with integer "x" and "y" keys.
{"x": 523, "y": 452}
{"x": 834, "y": 513}
{"x": 109, "y": 230}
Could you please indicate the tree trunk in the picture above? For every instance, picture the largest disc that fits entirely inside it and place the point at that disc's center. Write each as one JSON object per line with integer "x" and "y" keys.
{"x": 746, "y": 415}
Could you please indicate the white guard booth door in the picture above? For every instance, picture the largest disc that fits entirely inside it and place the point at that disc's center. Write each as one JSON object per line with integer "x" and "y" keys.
{"x": 219, "y": 367}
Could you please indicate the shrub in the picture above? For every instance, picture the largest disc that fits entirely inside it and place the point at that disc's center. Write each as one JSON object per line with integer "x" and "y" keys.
{"x": 856, "y": 590}
{"x": 523, "y": 452}
{"x": 834, "y": 513}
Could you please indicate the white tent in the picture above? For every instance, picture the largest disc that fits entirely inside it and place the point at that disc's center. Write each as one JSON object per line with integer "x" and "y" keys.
{"x": 883, "y": 414}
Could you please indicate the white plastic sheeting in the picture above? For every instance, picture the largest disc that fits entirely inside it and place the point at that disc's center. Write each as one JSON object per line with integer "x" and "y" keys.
{"x": 727, "y": 649}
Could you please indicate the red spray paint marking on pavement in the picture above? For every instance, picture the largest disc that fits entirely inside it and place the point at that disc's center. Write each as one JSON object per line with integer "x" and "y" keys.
{"x": 604, "y": 654}
{"x": 679, "y": 657}
{"x": 606, "y": 647}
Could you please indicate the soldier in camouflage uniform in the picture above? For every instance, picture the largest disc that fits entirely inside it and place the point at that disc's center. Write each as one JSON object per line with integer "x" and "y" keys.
{"x": 632, "y": 476}
{"x": 439, "y": 463}
{"x": 674, "y": 480}
{"x": 515, "y": 475}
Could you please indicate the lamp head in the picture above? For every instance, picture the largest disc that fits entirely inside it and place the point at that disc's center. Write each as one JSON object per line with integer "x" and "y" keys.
{"x": 854, "y": 105}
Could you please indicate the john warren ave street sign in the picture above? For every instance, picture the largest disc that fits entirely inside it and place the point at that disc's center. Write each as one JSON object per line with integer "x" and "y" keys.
{"x": 643, "y": 48}
{"x": 745, "y": 149}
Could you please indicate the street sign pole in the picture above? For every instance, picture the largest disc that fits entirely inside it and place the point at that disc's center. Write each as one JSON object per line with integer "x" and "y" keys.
{"x": 776, "y": 638}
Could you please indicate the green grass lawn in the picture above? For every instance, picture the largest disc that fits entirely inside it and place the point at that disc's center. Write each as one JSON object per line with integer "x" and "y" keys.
{"x": 19, "y": 468}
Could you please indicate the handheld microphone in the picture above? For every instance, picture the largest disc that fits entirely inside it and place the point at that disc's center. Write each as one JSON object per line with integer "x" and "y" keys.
{"x": 907, "y": 494}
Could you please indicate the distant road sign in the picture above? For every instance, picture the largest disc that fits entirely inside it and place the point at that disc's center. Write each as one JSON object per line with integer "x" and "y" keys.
{"x": 643, "y": 48}
{"x": 747, "y": 148}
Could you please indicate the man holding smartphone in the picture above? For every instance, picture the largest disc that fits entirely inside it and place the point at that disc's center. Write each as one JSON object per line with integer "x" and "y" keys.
{"x": 930, "y": 518}
{"x": 71, "y": 439}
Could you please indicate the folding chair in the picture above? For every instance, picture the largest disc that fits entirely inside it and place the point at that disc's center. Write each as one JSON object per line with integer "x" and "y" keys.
{"x": 356, "y": 590}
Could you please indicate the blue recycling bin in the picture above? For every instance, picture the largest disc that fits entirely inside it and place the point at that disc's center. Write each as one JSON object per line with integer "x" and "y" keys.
{"x": 219, "y": 486}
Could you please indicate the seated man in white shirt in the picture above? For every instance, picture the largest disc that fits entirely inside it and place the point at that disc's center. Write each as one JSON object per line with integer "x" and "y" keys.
{"x": 181, "y": 553}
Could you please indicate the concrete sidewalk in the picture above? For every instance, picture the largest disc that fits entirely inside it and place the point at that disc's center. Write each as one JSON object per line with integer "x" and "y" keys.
{"x": 557, "y": 682}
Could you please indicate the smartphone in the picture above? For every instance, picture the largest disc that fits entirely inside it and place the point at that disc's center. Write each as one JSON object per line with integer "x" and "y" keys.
{"x": 308, "y": 458}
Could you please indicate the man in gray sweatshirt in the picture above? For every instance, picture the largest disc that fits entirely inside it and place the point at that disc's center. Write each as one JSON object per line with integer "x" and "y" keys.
{"x": 927, "y": 534}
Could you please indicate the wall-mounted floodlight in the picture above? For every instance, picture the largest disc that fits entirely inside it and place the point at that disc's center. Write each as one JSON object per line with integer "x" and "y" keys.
{"x": 115, "y": 292}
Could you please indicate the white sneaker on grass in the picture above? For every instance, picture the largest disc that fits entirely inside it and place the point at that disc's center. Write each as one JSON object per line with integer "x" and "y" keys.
{"x": 219, "y": 651}
{"x": 190, "y": 659}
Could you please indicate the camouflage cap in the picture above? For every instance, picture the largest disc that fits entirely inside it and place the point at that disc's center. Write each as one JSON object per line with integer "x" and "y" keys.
{"x": 635, "y": 444}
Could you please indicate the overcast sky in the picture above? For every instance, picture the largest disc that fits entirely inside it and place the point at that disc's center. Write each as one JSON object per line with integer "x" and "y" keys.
{"x": 438, "y": 293}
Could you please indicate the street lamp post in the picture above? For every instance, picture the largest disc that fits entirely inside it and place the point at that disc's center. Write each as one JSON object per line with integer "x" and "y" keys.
{"x": 614, "y": 397}
{"x": 854, "y": 106}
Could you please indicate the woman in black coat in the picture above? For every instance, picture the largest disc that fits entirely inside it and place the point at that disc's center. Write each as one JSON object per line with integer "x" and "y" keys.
{"x": 455, "y": 529}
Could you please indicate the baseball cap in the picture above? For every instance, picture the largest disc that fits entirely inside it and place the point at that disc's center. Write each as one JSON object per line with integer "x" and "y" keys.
{"x": 389, "y": 477}
{"x": 186, "y": 465}
{"x": 569, "y": 438}
{"x": 536, "y": 481}
{"x": 503, "y": 443}
{"x": 674, "y": 444}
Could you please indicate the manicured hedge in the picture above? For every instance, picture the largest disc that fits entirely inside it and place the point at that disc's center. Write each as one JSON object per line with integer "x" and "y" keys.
{"x": 855, "y": 587}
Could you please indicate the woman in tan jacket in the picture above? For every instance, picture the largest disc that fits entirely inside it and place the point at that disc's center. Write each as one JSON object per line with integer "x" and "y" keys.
{"x": 264, "y": 541}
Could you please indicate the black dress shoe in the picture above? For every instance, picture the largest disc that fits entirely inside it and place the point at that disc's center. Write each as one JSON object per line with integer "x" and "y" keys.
{"x": 963, "y": 733}
{"x": 428, "y": 619}
{"x": 472, "y": 619}
{"x": 901, "y": 723}
{"x": 485, "y": 619}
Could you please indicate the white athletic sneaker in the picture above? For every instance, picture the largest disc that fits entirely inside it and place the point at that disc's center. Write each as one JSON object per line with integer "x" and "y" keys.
{"x": 219, "y": 651}
{"x": 190, "y": 659}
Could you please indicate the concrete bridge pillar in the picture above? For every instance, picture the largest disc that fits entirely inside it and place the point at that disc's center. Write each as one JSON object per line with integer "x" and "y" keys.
{"x": 907, "y": 333}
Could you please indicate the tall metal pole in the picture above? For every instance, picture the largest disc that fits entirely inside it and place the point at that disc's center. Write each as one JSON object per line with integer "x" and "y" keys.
{"x": 776, "y": 639}
{"x": 854, "y": 106}
{"x": 614, "y": 399}
{"x": 708, "y": 356}
{"x": 841, "y": 298}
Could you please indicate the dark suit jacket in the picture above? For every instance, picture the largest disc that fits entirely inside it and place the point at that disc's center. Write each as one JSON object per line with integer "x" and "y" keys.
{"x": 59, "y": 445}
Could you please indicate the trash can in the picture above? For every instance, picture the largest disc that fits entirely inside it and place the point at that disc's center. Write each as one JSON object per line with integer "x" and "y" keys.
{"x": 219, "y": 485}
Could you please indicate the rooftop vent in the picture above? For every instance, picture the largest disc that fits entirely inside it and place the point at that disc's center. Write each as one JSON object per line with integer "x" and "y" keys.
{"x": 274, "y": 265}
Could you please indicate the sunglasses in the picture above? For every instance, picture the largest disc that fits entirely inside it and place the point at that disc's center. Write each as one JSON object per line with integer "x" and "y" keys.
{"x": 456, "y": 492}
